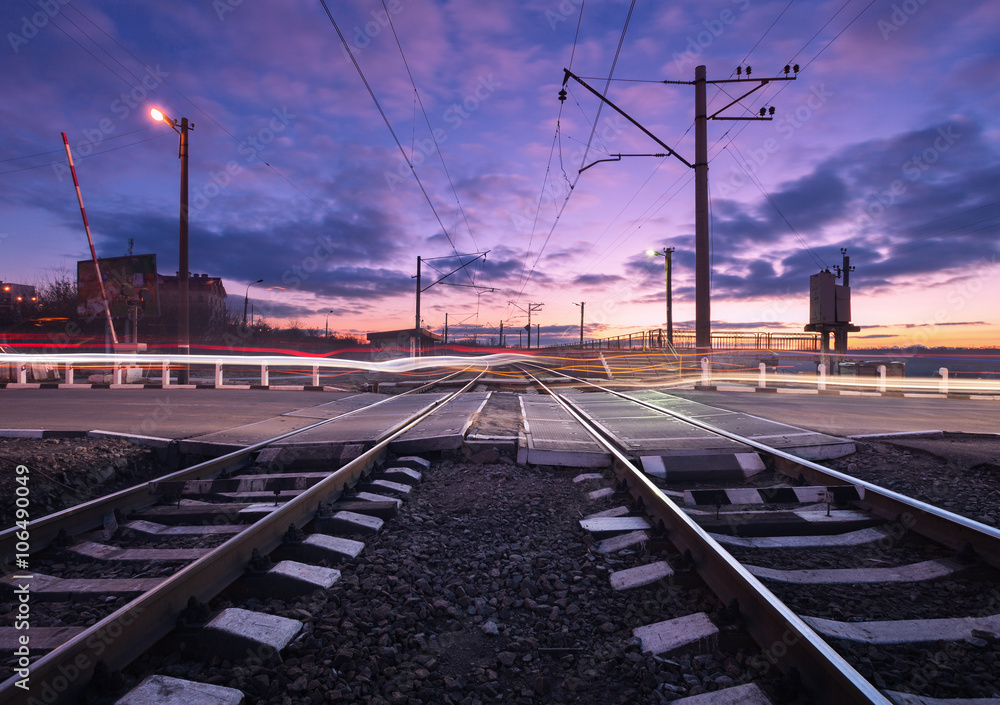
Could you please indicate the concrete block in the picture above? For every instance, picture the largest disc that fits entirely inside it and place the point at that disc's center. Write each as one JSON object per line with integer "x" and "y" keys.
{"x": 413, "y": 462}
{"x": 851, "y": 538}
{"x": 728, "y": 467}
{"x": 907, "y": 631}
{"x": 390, "y": 486}
{"x": 372, "y": 497}
{"x": 605, "y": 527}
{"x": 382, "y": 510}
{"x": 613, "y": 512}
{"x": 42, "y": 638}
{"x": 600, "y": 494}
{"x": 693, "y": 632}
{"x": 103, "y": 552}
{"x": 406, "y": 476}
{"x": 289, "y": 579}
{"x": 588, "y": 476}
{"x": 641, "y": 575}
{"x": 622, "y": 541}
{"x": 234, "y": 633}
{"x": 149, "y": 528}
{"x": 746, "y": 694}
{"x": 165, "y": 690}
{"x": 344, "y": 522}
{"x": 915, "y": 572}
{"x": 317, "y": 547}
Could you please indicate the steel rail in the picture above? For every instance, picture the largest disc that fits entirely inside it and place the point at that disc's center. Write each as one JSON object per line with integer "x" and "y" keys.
{"x": 153, "y": 615}
{"x": 87, "y": 516}
{"x": 947, "y": 528}
{"x": 824, "y": 673}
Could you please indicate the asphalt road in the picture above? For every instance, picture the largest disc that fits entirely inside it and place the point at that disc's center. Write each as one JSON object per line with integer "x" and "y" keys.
{"x": 849, "y": 415}
{"x": 182, "y": 413}
{"x": 172, "y": 413}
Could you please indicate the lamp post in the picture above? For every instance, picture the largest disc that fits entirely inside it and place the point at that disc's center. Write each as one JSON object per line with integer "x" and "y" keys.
{"x": 183, "y": 297}
{"x": 581, "y": 305}
{"x": 246, "y": 300}
{"x": 667, "y": 251}
{"x": 327, "y": 326}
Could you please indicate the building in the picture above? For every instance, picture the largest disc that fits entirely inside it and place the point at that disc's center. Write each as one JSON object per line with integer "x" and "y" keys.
{"x": 394, "y": 344}
{"x": 208, "y": 309}
{"x": 17, "y": 302}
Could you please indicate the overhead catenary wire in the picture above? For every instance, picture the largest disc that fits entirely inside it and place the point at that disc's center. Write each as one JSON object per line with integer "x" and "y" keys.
{"x": 388, "y": 124}
{"x": 583, "y": 160}
{"x": 430, "y": 129}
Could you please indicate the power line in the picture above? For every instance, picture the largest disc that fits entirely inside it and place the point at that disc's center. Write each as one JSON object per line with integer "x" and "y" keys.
{"x": 430, "y": 129}
{"x": 388, "y": 125}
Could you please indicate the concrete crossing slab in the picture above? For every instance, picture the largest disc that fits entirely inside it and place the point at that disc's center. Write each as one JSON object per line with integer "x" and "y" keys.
{"x": 645, "y": 432}
{"x": 446, "y": 429}
{"x": 553, "y": 437}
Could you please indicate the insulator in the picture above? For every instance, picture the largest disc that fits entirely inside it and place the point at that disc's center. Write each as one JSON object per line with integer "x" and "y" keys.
{"x": 562, "y": 94}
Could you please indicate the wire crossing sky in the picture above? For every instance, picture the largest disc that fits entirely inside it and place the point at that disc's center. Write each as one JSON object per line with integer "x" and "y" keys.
{"x": 325, "y": 164}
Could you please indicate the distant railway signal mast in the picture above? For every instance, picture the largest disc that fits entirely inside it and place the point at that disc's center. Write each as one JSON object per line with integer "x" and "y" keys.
{"x": 703, "y": 316}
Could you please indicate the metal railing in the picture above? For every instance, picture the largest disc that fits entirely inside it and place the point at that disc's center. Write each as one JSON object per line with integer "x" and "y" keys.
{"x": 656, "y": 339}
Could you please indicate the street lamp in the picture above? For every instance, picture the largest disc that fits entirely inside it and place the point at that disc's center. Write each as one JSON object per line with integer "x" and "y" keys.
{"x": 246, "y": 300}
{"x": 581, "y": 305}
{"x": 665, "y": 254}
{"x": 183, "y": 298}
{"x": 327, "y": 335}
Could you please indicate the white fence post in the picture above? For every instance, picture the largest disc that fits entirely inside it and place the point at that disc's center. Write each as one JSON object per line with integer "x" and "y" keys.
{"x": 22, "y": 373}
{"x": 315, "y": 379}
{"x": 763, "y": 375}
{"x": 69, "y": 373}
{"x": 881, "y": 378}
{"x": 218, "y": 374}
{"x": 706, "y": 371}
{"x": 821, "y": 377}
{"x": 263, "y": 375}
{"x": 166, "y": 373}
{"x": 943, "y": 384}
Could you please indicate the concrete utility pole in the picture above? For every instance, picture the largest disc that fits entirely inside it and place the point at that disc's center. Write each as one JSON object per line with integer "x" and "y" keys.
{"x": 702, "y": 257}
{"x": 420, "y": 260}
{"x": 581, "y": 305}
{"x": 531, "y": 307}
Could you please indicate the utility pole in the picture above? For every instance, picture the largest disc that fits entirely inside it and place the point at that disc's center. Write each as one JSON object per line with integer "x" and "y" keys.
{"x": 531, "y": 307}
{"x": 667, "y": 267}
{"x": 416, "y": 323}
{"x": 581, "y": 305}
{"x": 501, "y": 334}
{"x": 538, "y": 335}
{"x": 703, "y": 315}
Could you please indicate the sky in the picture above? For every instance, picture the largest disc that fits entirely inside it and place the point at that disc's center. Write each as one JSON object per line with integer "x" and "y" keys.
{"x": 332, "y": 149}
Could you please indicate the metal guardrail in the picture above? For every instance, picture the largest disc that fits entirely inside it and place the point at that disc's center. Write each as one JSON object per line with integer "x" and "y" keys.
{"x": 684, "y": 341}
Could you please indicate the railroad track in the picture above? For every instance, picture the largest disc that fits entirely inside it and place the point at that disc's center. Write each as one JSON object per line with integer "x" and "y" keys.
{"x": 800, "y": 643}
{"x": 245, "y": 534}
{"x": 783, "y": 638}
